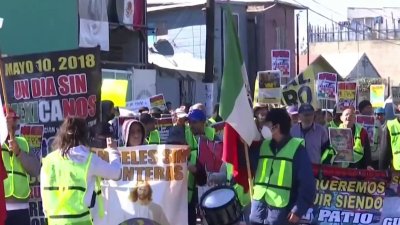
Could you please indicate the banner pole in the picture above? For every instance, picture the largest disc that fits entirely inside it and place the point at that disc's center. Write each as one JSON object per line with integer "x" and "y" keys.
{"x": 3, "y": 87}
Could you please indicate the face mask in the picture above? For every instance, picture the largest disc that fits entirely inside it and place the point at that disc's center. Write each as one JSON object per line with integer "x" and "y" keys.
{"x": 266, "y": 133}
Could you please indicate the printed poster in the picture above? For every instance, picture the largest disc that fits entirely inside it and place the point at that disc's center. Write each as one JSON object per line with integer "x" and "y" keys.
{"x": 377, "y": 95}
{"x": 396, "y": 99}
{"x": 281, "y": 61}
{"x": 368, "y": 122}
{"x": 269, "y": 86}
{"x": 45, "y": 88}
{"x": 346, "y": 95}
{"x": 152, "y": 188}
{"x": 326, "y": 86}
{"x": 342, "y": 142}
{"x": 135, "y": 105}
{"x": 164, "y": 125}
{"x": 158, "y": 101}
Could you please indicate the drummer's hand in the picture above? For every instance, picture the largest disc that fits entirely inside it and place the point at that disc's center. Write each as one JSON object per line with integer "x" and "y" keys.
{"x": 293, "y": 218}
{"x": 192, "y": 168}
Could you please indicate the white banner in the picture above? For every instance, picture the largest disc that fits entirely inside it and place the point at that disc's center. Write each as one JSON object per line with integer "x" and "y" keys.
{"x": 93, "y": 24}
{"x": 152, "y": 188}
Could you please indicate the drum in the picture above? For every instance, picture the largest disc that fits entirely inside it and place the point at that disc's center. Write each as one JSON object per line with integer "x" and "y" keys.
{"x": 221, "y": 206}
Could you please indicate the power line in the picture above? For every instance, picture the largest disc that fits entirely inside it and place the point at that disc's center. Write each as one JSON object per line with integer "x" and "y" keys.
{"x": 337, "y": 23}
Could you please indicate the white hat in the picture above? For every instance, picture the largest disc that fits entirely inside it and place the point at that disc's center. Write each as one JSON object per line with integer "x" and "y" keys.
{"x": 180, "y": 113}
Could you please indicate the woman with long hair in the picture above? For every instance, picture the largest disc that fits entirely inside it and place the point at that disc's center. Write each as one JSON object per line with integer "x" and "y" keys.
{"x": 70, "y": 175}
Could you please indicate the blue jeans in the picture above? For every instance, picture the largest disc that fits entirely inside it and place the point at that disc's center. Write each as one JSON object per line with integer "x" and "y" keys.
{"x": 262, "y": 214}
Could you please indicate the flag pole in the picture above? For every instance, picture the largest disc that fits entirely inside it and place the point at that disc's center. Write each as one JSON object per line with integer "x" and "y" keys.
{"x": 249, "y": 176}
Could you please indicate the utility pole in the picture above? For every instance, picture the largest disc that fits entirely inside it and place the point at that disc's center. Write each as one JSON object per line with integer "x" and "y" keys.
{"x": 209, "y": 69}
{"x": 210, "y": 25}
{"x": 297, "y": 42}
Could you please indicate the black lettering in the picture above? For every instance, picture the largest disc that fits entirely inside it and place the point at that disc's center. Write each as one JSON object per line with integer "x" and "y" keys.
{"x": 290, "y": 97}
{"x": 307, "y": 91}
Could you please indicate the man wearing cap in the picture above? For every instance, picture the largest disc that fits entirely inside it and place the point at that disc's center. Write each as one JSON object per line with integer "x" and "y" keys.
{"x": 20, "y": 165}
{"x": 293, "y": 113}
{"x": 197, "y": 129}
{"x": 152, "y": 134}
{"x": 315, "y": 136}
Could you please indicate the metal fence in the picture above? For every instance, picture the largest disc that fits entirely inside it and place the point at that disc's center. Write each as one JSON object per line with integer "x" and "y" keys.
{"x": 350, "y": 33}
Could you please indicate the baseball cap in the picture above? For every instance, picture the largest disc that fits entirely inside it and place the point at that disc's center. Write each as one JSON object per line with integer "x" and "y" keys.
{"x": 146, "y": 118}
{"x": 379, "y": 110}
{"x": 11, "y": 112}
{"x": 306, "y": 108}
{"x": 197, "y": 115}
{"x": 292, "y": 110}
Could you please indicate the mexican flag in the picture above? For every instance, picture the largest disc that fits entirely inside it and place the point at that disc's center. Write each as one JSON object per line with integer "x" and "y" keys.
{"x": 235, "y": 106}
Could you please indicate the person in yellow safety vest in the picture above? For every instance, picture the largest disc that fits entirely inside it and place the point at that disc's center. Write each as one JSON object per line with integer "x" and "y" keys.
{"x": 215, "y": 118}
{"x": 70, "y": 176}
{"x": 390, "y": 146}
{"x": 152, "y": 134}
{"x": 20, "y": 165}
{"x": 284, "y": 184}
{"x": 197, "y": 175}
{"x": 361, "y": 145}
{"x": 336, "y": 121}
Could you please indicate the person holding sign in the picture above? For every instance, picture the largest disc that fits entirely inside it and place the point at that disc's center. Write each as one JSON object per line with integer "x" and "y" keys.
{"x": 361, "y": 145}
{"x": 20, "y": 165}
{"x": 133, "y": 133}
{"x": 70, "y": 175}
{"x": 284, "y": 184}
{"x": 315, "y": 136}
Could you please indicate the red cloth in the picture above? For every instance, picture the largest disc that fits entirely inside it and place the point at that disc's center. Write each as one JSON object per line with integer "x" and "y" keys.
{"x": 230, "y": 155}
{"x": 138, "y": 14}
{"x": 3, "y": 175}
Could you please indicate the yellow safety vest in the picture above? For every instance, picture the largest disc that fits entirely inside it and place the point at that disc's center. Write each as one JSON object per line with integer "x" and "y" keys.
{"x": 64, "y": 190}
{"x": 154, "y": 138}
{"x": 273, "y": 180}
{"x": 244, "y": 198}
{"x": 358, "y": 148}
{"x": 394, "y": 132}
{"x": 17, "y": 183}
{"x": 194, "y": 150}
{"x": 333, "y": 124}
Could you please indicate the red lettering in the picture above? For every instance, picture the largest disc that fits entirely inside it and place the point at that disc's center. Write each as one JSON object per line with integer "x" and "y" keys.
{"x": 92, "y": 105}
{"x": 68, "y": 106}
{"x": 63, "y": 85}
{"x": 81, "y": 107}
{"x": 21, "y": 89}
{"x": 50, "y": 87}
{"x": 35, "y": 87}
{"x": 80, "y": 83}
